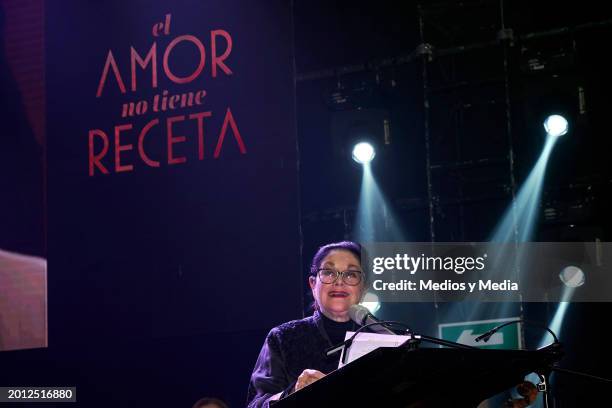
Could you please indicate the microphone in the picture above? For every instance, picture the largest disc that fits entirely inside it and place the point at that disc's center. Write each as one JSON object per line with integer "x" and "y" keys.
{"x": 486, "y": 336}
{"x": 362, "y": 316}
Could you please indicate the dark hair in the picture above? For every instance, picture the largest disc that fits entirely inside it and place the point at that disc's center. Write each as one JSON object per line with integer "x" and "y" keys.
{"x": 206, "y": 401}
{"x": 350, "y": 246}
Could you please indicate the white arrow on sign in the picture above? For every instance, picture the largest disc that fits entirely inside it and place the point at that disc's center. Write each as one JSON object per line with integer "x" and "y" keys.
{"x": 469, "y": 339}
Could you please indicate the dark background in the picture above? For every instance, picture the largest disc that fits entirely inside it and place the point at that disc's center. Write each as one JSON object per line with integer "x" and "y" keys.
{"x": 135, "y": 318}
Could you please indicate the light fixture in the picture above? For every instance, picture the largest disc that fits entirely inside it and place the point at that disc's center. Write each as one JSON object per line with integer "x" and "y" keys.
{"x": 572, "y": 276}
{"x": 556, "y": 125}
{"x": 363, "y": 152}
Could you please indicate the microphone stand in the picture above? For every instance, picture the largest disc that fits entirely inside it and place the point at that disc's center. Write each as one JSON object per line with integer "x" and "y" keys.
{"x": 415, "y": 341}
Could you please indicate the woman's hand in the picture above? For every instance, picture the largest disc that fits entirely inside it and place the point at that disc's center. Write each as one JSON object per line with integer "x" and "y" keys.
{"x": 308, "y": 377}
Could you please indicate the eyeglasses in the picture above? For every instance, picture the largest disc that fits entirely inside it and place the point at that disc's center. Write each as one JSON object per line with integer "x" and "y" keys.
{"x": 351, "y": 277}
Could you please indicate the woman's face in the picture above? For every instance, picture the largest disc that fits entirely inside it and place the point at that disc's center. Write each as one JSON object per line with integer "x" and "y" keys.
{"x": 335, "y": 299}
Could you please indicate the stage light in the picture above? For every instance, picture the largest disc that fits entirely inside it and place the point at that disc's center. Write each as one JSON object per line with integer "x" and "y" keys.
{"x": 572, "y": 276}
{"x": 370, "y": 300}
{"x": 375, "y": 220}
{"x": 520, "y": 218}
{"x": 556, "y": 125}
{"x": 363, "y": 152}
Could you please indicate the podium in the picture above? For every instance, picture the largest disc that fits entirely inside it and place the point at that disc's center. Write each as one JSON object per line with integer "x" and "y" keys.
{"x": 422, "y": 377}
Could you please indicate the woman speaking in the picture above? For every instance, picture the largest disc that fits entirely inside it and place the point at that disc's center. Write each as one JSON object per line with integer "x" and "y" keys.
{"x": 293, "y": 354}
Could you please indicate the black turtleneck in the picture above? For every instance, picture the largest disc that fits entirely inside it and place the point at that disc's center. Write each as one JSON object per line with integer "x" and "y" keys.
{"x": 337, "y": 330}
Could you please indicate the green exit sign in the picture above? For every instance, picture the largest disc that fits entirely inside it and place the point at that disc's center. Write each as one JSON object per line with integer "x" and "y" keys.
{"x": 508, "y": 337}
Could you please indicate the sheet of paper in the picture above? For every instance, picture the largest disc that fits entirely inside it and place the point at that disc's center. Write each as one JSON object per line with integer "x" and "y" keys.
{"x": 364, "y": 343}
